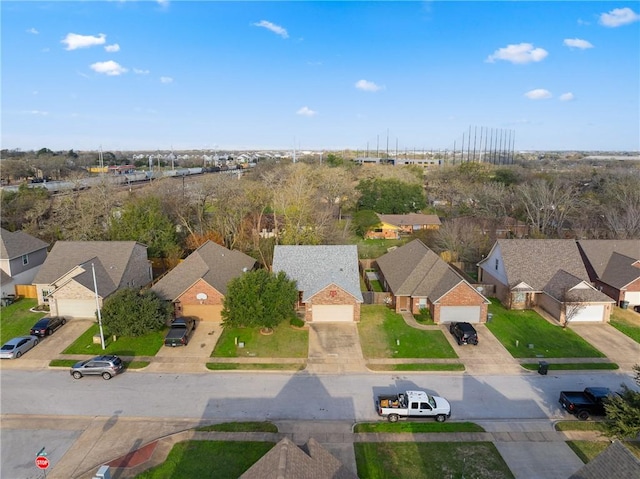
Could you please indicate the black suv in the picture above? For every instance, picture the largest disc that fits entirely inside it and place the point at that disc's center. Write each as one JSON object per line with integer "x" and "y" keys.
{"x": 105, "y": 366}
{"x": 46, "y": 326}
{"x": 464, "y": 333}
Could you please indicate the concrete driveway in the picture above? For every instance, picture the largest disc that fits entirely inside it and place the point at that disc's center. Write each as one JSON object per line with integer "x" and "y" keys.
{"x": 618, "y": 347}
{"x": 201, "y": 343}
{"x": 335, "y": 348}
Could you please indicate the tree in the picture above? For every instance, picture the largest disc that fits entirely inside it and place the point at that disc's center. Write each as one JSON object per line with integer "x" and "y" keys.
{"x": 623, "y": 411}
{"x": 129, "y": 313}
{"x": 259, "y": 298}
{"x": 364, "y": 220}
{"x": 390, "y": 196}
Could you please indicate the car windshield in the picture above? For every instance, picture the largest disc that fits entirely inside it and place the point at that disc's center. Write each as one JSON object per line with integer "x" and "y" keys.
{"x": 8, "y": 347}
{"x": 42, "y": 322}
{"x": 432, "y": 402}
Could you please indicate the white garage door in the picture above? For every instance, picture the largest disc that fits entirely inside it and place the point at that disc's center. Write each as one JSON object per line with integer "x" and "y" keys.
{"x": 633, "y": 297}
{"x": 334, "y": 312}
{"x": 590, "y": 313}
{"x": 469, "y": 314}
{"x": 77, "y": 308}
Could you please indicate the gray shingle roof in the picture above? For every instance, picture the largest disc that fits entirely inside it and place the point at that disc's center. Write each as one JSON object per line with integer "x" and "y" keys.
{"x": 620, "y": 270}
{"x": 598, "y": 252}
{"x": 110, "y": 259}
{"x": 15, "y": 244}
{"x": 415, "y": 270}
{"x": 616, "y": 461}
{"x": 315, "y": 267}
{"x": 211, "y": 262}
{"x": 536, "y": 261}
{"x": 563, "y": 281}
{"x": 288, "y": 461}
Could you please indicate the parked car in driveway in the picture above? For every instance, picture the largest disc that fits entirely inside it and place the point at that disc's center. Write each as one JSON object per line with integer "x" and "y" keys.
{"x": 47, "y": 325}
{"x": 464, "y": 333}
{"x": 16, "y": 347}
{"x": 106, "y": 366}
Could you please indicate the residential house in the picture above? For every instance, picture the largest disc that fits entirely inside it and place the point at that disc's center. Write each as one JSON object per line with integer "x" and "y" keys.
{"x": 615, "y": 461}
{"x": 198, "y": 285}
{"x": 392, "y": 226}
{"x": 419, "y": 279}
{"x": 21, "y": 256}
{"x": 328, "y": 280}
{"x": 614, "y": 268}
{"x": 76, "y": 271}
{"x": 288, "y": 461}
{"x": 546, "y": 273}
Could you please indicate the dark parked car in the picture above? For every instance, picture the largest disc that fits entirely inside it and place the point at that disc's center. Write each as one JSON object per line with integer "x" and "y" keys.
{"x": 46, "y": 326}
{"x": 464, "y": 333}
{"x": 105, "y": 366}
{"x": 585, "y": 403}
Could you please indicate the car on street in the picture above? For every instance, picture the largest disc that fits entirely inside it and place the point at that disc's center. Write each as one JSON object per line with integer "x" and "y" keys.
{"x": 106, "y": 366}
{"x": 47, "y": 325}
{"x": 16, "y": 347}
{"x": 464, "y": 333}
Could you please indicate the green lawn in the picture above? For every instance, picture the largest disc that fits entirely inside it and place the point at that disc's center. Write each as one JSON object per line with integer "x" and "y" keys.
{"x": 17, "y": 320}
{"x": 416, "y": 427}
{"x": 587, "y": 450}
{"x": 285, "y": 342}
{"x": 430, "y": 460}
{"x": 416, "y": 367}
{"x": 374, "y": 248}
{"x": 147, "y": 345}
{"x": 627, "y": 322}
{"x": 384, "y": 334}
{"x": 580, "y": 426}
{"x": 527, "y": 335}
{"x": 247, "y": 426}
{"x": 572, "y": 366}
{"x": 256, "y": 366}
{"x": 210, "y": 459}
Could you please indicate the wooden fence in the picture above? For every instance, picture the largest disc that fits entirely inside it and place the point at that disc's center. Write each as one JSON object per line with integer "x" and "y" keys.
{"x": 26, "y": 291}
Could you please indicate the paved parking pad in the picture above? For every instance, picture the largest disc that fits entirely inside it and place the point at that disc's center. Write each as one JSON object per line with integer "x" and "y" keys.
{"x": 539, "y": 460}
{"x": 201, "y": 343}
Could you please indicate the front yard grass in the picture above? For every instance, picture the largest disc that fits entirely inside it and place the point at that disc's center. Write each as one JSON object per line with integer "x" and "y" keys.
{"x": 247, "y": 426}
{"x": 430, "y": 460}
{"x": 627, "y": 322}
{"x": 147, "y": 345}
{"x": 17, "y": 320}
{"x": 416, "y": 367}
{"x": 587, "y": 450}
{"x": 210, "y": 459}
{"x": 572, "y": 366}
{"x": 255, "y": 366}
{"x": 285, "y": 342}
{"x": 527, "y": 335}
{"x": 384, "y": 334}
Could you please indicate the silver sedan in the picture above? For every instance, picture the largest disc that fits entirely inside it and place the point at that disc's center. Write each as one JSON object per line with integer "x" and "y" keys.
{"x": 16, "y": 347}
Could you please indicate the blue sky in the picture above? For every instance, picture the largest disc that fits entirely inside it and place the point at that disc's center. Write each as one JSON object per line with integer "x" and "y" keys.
{"x": 125, "y": 75}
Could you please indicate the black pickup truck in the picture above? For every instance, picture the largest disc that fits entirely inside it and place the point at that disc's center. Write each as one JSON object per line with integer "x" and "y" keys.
{"x": 179, "y": 332}
{"x": 585, "y": 403}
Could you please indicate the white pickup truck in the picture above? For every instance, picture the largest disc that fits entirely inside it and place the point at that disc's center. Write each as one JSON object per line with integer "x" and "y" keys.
{"x": 413, "y": 404}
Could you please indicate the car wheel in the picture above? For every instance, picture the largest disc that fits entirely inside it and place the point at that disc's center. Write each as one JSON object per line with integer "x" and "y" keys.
{"x": 583, "y": 415}
{"x": 441, "y": 418}
{"x": 106, "y": 376}
{"x": 76, "y": 375}
{"x": 393, "y": 418}
{"x": 48, "y": 332}
{"x": 64, "y": 321}
{"x": 459, "y": 341}
{"x": 18, "y": 354}
{"x": 35, "y": 342}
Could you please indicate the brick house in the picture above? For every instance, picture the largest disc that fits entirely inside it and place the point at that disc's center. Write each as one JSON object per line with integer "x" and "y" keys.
{"x": 66, "y": 279}
{"x": 198, "y": 285}
{"x": 328, "y": 280}
{"x": 418, "y": 278}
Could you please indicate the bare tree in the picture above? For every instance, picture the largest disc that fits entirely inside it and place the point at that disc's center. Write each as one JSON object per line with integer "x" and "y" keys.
{"x": 547, "y": 205}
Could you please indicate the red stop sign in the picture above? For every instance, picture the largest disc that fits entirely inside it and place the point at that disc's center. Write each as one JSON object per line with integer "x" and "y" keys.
{"x": 42, "y": 462}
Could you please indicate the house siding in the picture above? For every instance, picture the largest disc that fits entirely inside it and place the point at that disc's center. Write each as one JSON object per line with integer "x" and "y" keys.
{"x": 35, "y": 258}
{"x": 501, "y": 289}
{"x": 189, "y": 297}
{"x": 326, "y": 297}
{"x": 71, "y": 290}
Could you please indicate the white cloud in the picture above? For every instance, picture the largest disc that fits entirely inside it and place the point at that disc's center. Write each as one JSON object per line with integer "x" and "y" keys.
{"x": 577, "y": 43}
{"x": 36, "y": 112}
{"x": 277, "y": 29}
{"x": 306, "y": 111}
{"x": 618, "y": 17}
{"x": 112, "y": 48}
{"x": 163, "y": 3}
{"x": 366, "y": 85}
{"x": 109, "y": 68}
{"x": 166, "y": 80}
{"x": 33, "y": 31}
{"x": 138, "y": 71}
{"x": 75, "y": 41}
{"x": 538, "y": 94}
{"x": 566, "y": 97}
{"x": 520, "y": 53}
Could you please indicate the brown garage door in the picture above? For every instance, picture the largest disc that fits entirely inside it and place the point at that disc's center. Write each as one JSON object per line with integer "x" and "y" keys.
{"x": 204, "y": 312}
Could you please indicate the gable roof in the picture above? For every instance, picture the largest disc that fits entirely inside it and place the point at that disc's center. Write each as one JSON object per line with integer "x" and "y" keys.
{"x": 315, "y": 267}
{"x": 288, "y": 461}
{"x": 415, "y": 270}
{"x": 110, "y": 259}
{"x": 615, "y": 461}
{"x": 14, "y": 244}
{"x": 536, "y": 261}
{"x": 621, "y": 270}
{"x": 598, "y": 252}
{"x": 212, "y": 263}
{"x": 565, "y": 287}
{"x": 410, "y": 219}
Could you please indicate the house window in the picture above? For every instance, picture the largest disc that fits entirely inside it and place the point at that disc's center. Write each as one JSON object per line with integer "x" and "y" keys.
{"x": 496, "y": 264}
{"x": 45, "y": 295}
{"x": 25, "y": 259}
{"x": 422, "y": 303}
